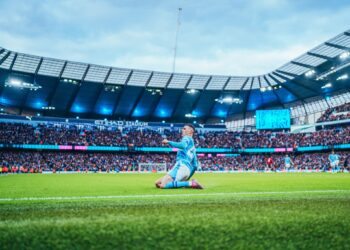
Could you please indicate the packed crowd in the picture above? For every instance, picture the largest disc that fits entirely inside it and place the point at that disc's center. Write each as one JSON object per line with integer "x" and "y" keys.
{"x": 59, "y": 161}
{"x": 11, "y": 133}
{"x": 34, "y": 162}
{"x": 246, "y": 162}
{"x": 341, "y": 112}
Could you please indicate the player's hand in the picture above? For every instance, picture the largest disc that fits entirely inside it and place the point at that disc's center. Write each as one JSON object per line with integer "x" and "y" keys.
{"x": 165, "y": 142}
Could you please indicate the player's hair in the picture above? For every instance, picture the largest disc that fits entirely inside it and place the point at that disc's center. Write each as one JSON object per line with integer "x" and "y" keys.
{"x": 190, "y": 125}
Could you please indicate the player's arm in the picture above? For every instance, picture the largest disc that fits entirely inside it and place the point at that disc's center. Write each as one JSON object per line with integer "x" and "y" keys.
{"x": 180, "y": 145}
{"x": 195, "y": 161}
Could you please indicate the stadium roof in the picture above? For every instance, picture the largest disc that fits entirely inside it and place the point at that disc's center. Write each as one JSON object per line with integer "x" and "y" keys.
{"x": 65, "y": 88}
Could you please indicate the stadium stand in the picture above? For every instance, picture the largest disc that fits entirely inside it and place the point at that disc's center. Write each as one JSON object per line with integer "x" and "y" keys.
{"x": 340, "y": 112}
{"x": 15, "y": 133}
{"x": 33, "y": 162}
{"x": 33, "y": 133}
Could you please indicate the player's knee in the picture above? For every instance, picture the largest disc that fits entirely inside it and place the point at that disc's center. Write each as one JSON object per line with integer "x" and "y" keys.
{"x": 157, "y": 184}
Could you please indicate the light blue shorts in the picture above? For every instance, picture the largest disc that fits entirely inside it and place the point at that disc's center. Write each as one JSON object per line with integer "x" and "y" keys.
{"x": 181, "y": 172}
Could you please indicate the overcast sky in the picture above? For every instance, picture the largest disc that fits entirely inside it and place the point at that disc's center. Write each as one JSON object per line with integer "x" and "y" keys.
{"x": 237, "y": 37}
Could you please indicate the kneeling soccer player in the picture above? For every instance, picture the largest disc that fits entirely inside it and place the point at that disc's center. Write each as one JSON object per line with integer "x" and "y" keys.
{"x": 186, "y": 162}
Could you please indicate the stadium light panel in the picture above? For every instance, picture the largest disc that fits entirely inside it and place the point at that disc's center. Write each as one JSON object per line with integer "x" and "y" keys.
{"x": 342, "y": 77}
{"x": 15, "y": 82}
{"x": 70, "y": 81}
{"x": 191, "y": 91}
{"x": 229, "y": 100}
{"x": 328, "y": 85}
{"x": 344, "y": 55}
{"x": 310, "y": 73}
{"x": 190, "y": 115}
{"x": 111, "y": 88}
{"x": 48, "y": 108}
{"x": 154, "y": 91}
{"x": 20, "y": 84}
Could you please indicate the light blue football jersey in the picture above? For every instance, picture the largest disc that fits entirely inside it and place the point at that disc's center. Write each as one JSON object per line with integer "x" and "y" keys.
{"x": 333, "y": 157}
{"x": 287, "y": 160}
{"x": 187, "y": 152}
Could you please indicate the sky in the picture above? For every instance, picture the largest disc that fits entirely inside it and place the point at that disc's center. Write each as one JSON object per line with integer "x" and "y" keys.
{"x": 216, "y": 37}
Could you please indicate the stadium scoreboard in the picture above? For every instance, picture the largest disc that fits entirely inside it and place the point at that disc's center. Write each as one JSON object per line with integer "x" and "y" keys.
{"x": 273, "y": 119}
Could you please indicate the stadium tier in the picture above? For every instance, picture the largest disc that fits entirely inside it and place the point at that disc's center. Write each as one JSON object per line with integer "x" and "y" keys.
{"x": 38, "y": 162}
{"x": 341, "y": 112}
{"x": 150, "y": 137}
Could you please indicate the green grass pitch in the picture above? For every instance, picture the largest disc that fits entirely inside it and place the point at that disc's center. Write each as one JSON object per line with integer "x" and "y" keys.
{"x": 126, "y": 211}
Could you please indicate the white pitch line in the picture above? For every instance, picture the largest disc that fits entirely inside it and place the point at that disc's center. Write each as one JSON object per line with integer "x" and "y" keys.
{"x": 164, "y": 195}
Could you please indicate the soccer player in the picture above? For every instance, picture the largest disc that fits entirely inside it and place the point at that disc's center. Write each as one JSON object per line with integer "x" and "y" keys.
{"x": 287, "y": 162}
{"x": 269, "y": 162}
{"x": 186, "y": 162}
{"x": 334, "y": 161}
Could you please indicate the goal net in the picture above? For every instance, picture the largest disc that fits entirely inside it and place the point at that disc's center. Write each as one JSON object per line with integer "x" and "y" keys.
{"x": 152, "y": 167}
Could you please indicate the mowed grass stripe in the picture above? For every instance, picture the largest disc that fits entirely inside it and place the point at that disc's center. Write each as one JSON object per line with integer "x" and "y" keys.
{"x": 77, "y": 185}
{"x": 169, "y": 195}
